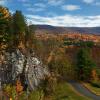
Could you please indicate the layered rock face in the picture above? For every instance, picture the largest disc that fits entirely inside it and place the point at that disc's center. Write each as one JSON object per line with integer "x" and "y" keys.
{"x": 15, "y": 63}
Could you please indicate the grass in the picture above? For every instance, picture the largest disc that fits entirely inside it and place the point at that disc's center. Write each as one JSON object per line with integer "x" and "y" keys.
{"x": 64, "y": 91}
{"x": 93, "y": 89}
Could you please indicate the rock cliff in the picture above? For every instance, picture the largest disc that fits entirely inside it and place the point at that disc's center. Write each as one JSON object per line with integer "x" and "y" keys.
{"x": 13, "y": 64}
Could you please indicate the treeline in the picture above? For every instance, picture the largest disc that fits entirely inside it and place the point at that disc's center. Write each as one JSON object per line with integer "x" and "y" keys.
{"x": 79, "y": 43}
{"x": 14, "y": 29}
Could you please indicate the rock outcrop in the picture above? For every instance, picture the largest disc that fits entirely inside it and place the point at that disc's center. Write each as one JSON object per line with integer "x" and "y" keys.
{"x": 13, "y": 64}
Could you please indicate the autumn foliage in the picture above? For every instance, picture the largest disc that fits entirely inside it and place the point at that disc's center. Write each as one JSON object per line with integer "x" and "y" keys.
{"x": 4, "y": 13}
{"x": 94, "y": 75}
{"x": 19, "y": 87}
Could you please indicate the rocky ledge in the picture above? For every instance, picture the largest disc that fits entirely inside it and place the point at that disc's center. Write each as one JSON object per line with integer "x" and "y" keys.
{"x": 15, "y": 64}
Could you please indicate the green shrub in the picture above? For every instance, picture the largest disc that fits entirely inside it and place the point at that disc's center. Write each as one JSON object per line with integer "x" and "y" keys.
{"x": 10, "y": 90}
{"x": 98, "y": 71}
{"x": 23, "y": 96}
{"x": 36, "y": 95}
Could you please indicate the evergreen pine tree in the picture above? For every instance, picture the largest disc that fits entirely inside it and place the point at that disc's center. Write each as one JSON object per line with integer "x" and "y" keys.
{"x": 19, "y": 27}
{"x": 84, "y": 64}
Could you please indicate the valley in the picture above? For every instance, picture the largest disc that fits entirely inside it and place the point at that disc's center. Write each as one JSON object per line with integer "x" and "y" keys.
{"x": 43, "y": 62}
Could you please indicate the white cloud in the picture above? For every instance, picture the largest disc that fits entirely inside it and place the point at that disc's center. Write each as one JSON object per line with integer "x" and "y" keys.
{"x": 88, "y": 1}
{"x": 70, "y": 7}
{"x": 3, "y": 2}
{"x": 11, "y": 11}
{"x": 55, "y": 2}
{"x": 92, "y": 2}
{"x": 97, "y": 3}
{"x": 35, "y": 7}
{"x": 66, "y": 20}
{"x": 40, "y": 5}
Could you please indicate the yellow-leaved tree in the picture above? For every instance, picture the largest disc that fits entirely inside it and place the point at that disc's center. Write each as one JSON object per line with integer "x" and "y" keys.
{"x": 4, "y": 23}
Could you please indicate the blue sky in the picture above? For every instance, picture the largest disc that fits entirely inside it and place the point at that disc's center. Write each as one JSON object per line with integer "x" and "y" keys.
{"x": 79, "y": 13}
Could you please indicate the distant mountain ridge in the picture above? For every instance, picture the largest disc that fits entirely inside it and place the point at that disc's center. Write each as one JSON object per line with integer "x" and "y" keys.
{"x": 57, "y": 30}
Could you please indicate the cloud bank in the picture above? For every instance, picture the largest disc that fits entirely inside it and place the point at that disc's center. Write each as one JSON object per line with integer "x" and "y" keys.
{"x": 66, "y": 20}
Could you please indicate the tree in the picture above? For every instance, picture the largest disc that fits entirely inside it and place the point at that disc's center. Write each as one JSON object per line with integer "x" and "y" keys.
{"x": 84, "y": 64}
{"x": 19, "y": 27}
{"x": 19, "y": 87}
{"x": 48, "y": 84}
{"x": 89, "y": 44}
{"x": 61, "y": 66}
{"x": 4, "y": 24}
{"x": 35, "y": 95}
{"x": 30, "y": 37}
{"x": 10, "y": 91}
{"x": 94, "y": 75}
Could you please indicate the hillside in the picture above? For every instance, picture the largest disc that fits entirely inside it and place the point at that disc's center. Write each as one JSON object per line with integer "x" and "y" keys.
{"x": 54, "y": 29}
